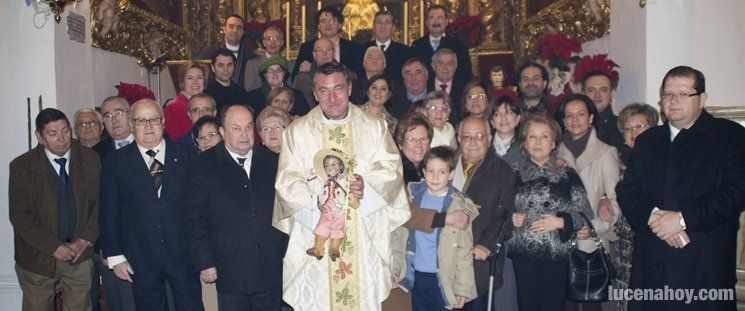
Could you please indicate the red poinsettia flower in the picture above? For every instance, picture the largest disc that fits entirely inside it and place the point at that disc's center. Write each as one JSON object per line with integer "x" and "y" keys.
{"x": 557, "y": 46}
{"x": 595, "y": 63}
{"x": 134, "y": 92}
{"x": 467, "y": 29}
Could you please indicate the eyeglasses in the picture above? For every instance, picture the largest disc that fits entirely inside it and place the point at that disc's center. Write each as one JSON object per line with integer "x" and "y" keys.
{"x": 207, "y": 137}
{"x": 274, "y": 128}
{"x": 477, "y": 96}
{"x": 681, "y": 95}
{"x": 435, "y": 108}
{"x": 272, "y": 38}
{"x": 202, "y": 110}
{"x": 634, "y": 129}
{"x": 90, "y": 124}
{"x": 473, "y": 137}
{"x": 416, "y": 141}
{"x": 115, "y": 114}
{"x": 329, "y": 21}
{"x": 143, "y": 121}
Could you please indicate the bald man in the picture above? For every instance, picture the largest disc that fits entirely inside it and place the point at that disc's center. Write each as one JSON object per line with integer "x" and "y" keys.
{"x": 143, "y": 217}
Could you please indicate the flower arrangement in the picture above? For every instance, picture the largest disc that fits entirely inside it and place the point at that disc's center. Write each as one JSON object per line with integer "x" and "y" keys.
{"x": 467, "y": 29}
{"x": 596, "y": 63}
{"x": 557, "y": 49}
{"x": 134, "y": 92}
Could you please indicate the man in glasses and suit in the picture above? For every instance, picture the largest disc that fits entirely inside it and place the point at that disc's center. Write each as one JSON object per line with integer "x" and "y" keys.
{"x": 143, "y": 214}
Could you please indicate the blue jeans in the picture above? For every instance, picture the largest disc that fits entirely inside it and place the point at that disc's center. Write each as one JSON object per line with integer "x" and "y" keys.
{"x": 426, "y": 294}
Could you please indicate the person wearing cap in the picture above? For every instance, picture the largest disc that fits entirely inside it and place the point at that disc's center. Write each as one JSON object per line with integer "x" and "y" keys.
{"x": 272, "y": 43}
{"x": 274, "y": 74}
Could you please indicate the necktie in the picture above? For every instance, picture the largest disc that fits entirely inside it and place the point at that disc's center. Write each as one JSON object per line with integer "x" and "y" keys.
{"x": 62, "y": 172}
{"x": 242, "y": 162}
{"x": 444, "y": 87}
{"x": 156, "y": 168}
{"x": 468, "y": 169}
{"x": 435, "y": 44}
{"x": 382, "y": 47}
{"x": 122, "y": 144}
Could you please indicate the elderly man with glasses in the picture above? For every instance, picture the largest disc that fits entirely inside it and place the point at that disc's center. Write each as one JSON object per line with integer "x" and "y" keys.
{"x": 88, "y": 126}
{"x": 199, "y": 105}
{"x": 143, "y": 216}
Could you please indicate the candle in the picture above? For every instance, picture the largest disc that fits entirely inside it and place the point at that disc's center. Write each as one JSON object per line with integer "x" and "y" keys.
{"x": 421, "y": 18}
{"x": 406, "y": 23}
{"x": 302, "y": 8}
{"x": 287, "y": 29}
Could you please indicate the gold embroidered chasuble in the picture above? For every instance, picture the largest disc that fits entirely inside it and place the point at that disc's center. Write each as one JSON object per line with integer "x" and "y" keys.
{"x": 361, "y": 278}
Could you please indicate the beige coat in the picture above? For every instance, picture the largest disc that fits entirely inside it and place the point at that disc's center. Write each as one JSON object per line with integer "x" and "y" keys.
{"x": 454, "y": 262}
{"x": 598, "y": 167}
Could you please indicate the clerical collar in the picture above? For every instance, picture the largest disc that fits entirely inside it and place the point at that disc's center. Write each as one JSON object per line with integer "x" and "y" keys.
{"x": 231, "y": 47}
{"x": 335, "y": 122}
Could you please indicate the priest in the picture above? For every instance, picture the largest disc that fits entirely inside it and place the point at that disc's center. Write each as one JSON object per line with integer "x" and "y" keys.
{"x": 360, "y": 279}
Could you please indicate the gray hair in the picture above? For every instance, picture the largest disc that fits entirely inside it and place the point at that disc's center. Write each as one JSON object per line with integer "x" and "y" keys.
{"x": 87, "y": 110}
{"x": 438, "y": 94}
{"x": 270, "y": 111}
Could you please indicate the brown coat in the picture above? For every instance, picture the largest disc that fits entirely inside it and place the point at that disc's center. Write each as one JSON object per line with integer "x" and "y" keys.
{"x": 33, "y": 205}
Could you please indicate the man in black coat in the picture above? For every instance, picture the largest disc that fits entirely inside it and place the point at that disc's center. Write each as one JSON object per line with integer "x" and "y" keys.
{"x": 683, "y": 193}
{"x": 223, "y": 90}
{"x": 490, "y": 183}
{"x": 599, "y": 87}
{"x": 114, "y": 111}
{"x": 426, "y": 46}
{"x": 143, "y": 214}
{"x": 395, "y": 53}
{"x": 229, "y": 211}
{"x": 329, "y": 21}
{"x": 233, "y": 30}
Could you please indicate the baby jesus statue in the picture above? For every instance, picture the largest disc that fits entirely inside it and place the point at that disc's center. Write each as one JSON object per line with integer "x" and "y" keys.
{"x": 330, "y": 185}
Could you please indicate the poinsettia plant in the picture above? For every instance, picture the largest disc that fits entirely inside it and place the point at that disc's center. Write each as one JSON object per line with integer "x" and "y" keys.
{"x": 557, "y": 49}
{"x": 467, "y": 29}
{"x": 134, "y": 92}
{"x": 596, "y": 63}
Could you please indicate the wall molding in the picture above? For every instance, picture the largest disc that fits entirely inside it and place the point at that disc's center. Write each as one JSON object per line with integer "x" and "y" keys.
{"x": 9, "y": 284}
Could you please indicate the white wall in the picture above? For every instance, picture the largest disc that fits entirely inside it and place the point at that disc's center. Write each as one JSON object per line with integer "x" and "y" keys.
{"x": 706, "y": 35}
{"x": 68, "y": 75}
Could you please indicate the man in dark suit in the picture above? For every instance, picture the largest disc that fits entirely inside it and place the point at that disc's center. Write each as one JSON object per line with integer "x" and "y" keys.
{"x": 54, "y": 215}
{"x": 117, "y": 293}
{"x": 445, "y": 64}
{"x": 415, "y": 82}
{"x": 115, "y": 112}
{"x": 329, "y": 21}
{"x": 143, "y": 214}
{"x": 229, "y": 213}
{"x": 395, "y": 53}
{"x": 683, "y": 192}
{"x": 426, "y": 46}
{"x": 233, "y": 31}
{"x": 222, "y": 89}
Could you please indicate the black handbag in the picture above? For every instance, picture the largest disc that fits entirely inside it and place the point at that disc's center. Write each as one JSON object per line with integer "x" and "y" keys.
{"x": 590, "y": 274}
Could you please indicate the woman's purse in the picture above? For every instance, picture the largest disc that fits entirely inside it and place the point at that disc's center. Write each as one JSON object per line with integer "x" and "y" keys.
{"x": 590, "y": 274}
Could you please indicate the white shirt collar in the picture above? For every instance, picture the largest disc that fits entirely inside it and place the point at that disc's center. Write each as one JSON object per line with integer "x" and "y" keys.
{"x": 129, "y": 139}
{"x": 248, "y": 156}
{"x": 51, "y": 156}
{"x": 438, "y": 83}
{"x": 160, "y": 154}
{"x": 674, "y": 131}
{"x": 337, "y": 122}
{"x": 387, "y": 44}
{"x": 431, "y": 38}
